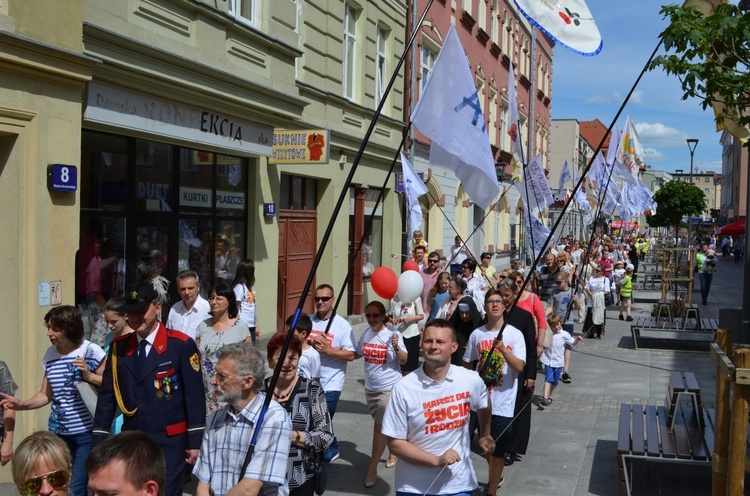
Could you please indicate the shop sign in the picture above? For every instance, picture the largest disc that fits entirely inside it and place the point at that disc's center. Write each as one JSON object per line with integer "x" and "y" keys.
{"x": 115, "y": 106}
{"x": 195, "y": 197}
{"x": 230, "y": 199}
{"x": 300, "y": 147}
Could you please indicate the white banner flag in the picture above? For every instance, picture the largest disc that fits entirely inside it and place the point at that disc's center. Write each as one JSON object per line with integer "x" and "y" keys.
{"x": 565, "y": 176}
{"x": 583, "y": 202}
{"x": 414, "y": 188}
{"x": 630, "y": 149}
{"x": 449, "y": 113}
{"x": 535, "y": 183}
{"x": 513, "y": 131}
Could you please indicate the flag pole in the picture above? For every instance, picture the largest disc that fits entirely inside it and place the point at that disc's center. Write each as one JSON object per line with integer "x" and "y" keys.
{"x": 326, "y": 237}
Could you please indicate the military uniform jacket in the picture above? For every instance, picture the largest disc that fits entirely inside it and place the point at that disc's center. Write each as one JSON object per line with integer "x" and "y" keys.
{"x": 167, "y": 393}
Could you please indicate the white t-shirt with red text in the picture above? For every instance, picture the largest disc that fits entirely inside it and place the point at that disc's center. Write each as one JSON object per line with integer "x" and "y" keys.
{"x": 435, "y": 417}
{"x": 503, "y": 397}
{"x": 341, "y": 337}
{"x": 382, "y": 369}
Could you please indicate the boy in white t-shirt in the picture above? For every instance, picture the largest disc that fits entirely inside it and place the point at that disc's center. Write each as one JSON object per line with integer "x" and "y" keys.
{"x": 553, "y": 357}
{"x": 309, "y": 360}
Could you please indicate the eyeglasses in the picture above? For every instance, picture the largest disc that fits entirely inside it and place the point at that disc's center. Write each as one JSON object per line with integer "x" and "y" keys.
{"x": 494, "y": 302}
{"x": 433, "y": 261}
{"x": 323, "y": 298}
{"x": 372, "y": 315}
{"x": 57, "y": 479}
{"x": 503, "y": 277}
{"x": 221, "y": 378}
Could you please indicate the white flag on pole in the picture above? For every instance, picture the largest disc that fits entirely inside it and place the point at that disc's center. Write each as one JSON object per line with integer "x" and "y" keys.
{"x": 449, "y": 113}
{"x": 565, "y": 176}
{"x": 630, "y": 149}
{"x": 536, "y": 232}
{"x": 539, "y": 193}
{"x": 513, "y": 131}
{"x": 414, "y": 188}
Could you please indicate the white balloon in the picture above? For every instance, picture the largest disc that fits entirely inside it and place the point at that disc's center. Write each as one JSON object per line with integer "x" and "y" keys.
{"x": 410, "y": 286}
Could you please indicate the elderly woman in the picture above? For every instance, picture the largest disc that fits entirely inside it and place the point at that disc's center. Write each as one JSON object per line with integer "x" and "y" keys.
{"x": 42, "y": 466}
{"x": 7, "y": 427}
{"x": 69, "y": 361}
{"x": 224, "y": 327}
{"x": 384, "y": 353}
{"x": 596, "y": 288}
{"x": 456, "y": 288}
{"x": 305, "y": 401}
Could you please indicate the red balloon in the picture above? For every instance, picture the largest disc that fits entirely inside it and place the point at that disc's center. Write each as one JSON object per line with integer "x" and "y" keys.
{"x": 384, "y": 282}
{"x": 411, "y": 265}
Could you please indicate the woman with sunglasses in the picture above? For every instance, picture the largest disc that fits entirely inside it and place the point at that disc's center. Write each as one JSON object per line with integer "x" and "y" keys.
{"x": 489, "y": 273}
{"x": 383, "y": 351}
{"x": 305, "y": 401}
{"x": 224, "y": 327}
{"x": 532, "y": 304}
{"x": 596, "y": 288}
{"x": 41, "y": 466}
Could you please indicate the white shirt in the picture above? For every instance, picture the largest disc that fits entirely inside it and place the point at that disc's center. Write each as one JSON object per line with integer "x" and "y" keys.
{"x": 435, "y": 416}
{"x": 382, "y": 369}
{"x": 309, "y": 364}
{"x": 185, "y": 321}
{"x": 246, "y": 299}
{"x": 555, "y": 355}
{"x": 341, "y": 336}
{"x": 504, "y": 396}
{"x": 458, "y": 254}
{"x": 400, "y": 310}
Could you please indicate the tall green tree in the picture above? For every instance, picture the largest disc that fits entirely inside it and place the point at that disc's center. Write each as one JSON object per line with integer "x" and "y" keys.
{"x": 710, "y": 54}
{"x": 675, "y": 200}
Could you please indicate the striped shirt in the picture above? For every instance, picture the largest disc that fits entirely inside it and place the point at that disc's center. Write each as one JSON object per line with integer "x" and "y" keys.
{"x": 69, "y": 414}
{"x": 225, "y": 444}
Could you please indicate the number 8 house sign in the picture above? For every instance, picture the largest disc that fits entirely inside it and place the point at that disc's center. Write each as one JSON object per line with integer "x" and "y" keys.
{"x": 61, "y": 177}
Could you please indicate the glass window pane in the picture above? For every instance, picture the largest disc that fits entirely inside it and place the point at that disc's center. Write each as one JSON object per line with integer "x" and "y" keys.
{"x": 196, "y": 181}
{"x": 230, "y": 248}
{"x": 230, "y": 186}
{"x": 311, "y": 194}
{"x": 297, "y": 193}
{"x": 284, "y": 201}
{"x": 153, "y": 175}
{"x": 195, "y": 250}
{"x": 104, "y": 162}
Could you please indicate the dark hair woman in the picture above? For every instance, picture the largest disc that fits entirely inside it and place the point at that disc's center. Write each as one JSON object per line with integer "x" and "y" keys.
{"x": 224, "y": 327}
{"x": 243, "y": 286}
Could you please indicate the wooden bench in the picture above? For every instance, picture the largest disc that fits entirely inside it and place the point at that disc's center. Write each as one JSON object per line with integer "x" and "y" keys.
{"x": 673, "y": 433}
{"x": 684, "y": 329}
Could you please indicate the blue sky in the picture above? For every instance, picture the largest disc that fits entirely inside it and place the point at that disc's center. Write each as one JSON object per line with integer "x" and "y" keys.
{"x": 586, "y": 88}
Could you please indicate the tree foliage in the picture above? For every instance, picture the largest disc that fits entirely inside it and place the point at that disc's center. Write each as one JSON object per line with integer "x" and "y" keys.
{"x": 675, "y": 200}
{"x": 709, "y": 54}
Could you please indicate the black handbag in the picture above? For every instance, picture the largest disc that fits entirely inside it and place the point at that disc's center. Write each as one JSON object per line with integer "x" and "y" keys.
{"x": 321, "y": 477}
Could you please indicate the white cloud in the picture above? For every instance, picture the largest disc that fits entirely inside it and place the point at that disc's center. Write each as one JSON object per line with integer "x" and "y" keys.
{"x": 653, "y": 154}
{"x": 659, "y": 134}
{"x": 613, "y": 97}
{"x": 637, "y": 98}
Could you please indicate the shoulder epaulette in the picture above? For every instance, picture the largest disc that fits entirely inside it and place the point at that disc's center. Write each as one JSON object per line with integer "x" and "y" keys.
{"x": 177, "y": 334}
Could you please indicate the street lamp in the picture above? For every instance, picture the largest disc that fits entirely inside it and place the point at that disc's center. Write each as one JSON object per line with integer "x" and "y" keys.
{"x": 692, "y": 144}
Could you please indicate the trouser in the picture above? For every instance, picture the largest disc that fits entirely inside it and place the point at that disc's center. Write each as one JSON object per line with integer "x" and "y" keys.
{"x": 705, "y": 279}
{"x": 79, "y": 446}
{"x": 332, "y": 400}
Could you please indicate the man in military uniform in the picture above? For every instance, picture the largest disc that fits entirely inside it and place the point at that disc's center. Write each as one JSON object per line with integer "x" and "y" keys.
{"x": 153, "y": 376}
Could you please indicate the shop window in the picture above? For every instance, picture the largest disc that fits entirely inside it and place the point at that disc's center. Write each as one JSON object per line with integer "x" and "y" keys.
{"x": 153, "y": 176}
{"x": 230, "y": 186}
{"x": 196, "y": 182}
{"x": 229, "y": 243}
{"x": 372, "y": 247}
{"x": 194, "y": 251}
{"x": 104, "y": 170}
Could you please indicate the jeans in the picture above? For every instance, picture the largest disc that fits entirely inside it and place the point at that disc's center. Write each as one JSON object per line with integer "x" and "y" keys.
{"x": 705, "y": 279}
{"x": 79, "y": 446}
{"x": 332, "y": 400}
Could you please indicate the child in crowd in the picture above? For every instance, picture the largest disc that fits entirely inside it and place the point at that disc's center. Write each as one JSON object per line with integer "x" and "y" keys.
{"x": 617, "y": 276}
{"x": 418, "y": 240}
{"x": 553, "y": 357}
{"x": 558, "y": 304}
{"x": 309, "y": 360}
{"x": 625, "y": 292}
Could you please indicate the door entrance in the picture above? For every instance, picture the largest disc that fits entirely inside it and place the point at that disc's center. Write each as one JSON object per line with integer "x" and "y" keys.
{"x": 297, "y": 245}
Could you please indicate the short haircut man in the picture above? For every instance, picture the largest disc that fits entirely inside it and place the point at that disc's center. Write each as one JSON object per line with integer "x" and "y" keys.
{"x": 192, "y": 309}
{"x": 127, "y": 463}
{"x": 427, "y": 419}
{"x": 229, "y": 430}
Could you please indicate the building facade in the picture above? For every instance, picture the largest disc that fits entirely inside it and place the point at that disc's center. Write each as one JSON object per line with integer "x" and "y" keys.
{"x": 734, "y": 164}
{"x": 494, "y": 35}
{"x": 710, "y": 183}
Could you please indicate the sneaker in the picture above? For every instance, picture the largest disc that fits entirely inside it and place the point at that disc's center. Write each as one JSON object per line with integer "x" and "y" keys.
{"x": 566, "y": 377}
{"x": 334, "y": 457}
{"x": 545, "y": 402}
{"x": 621, "y": 317}
{"x": 629, "y": 319}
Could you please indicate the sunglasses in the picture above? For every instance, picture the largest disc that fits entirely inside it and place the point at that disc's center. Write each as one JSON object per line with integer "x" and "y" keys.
{"x": 57, "y": 479}
{"x": 433, "y": 261}
{"x": 323, "y": 298}
{"x": 372, "y": 315}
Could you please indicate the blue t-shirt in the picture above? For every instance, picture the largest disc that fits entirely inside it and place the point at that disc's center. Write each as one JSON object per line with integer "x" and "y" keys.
{"x": 437, "y": 303}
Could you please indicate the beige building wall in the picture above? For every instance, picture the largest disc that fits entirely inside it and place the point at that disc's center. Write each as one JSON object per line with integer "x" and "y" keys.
{"x": 43, "y": 75}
